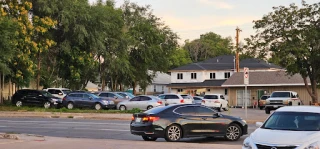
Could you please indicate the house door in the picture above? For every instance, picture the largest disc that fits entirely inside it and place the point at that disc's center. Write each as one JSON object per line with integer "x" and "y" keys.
{"x": 241, "y": 98}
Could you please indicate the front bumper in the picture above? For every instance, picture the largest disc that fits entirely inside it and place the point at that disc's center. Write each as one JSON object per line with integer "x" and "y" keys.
{"x": 110, "y": 106}
{"x": 274, "y": 107}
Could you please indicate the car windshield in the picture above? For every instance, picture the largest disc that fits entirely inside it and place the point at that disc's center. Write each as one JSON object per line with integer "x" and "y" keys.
{"x": 46, "y": 94}
{"x": 186, "y": 97}
{"x": 210, "y": 97}
{"x": 280, "y": 94}
{"x": 293, "y": 121}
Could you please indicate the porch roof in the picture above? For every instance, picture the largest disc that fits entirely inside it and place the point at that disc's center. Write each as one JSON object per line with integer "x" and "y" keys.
{"x": 206, "y": 83}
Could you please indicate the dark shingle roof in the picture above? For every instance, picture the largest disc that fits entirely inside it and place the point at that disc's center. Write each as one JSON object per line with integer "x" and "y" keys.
{"x": 206, "y": 83}
{"x": 226, "y": 62}
{"x": 265, "y": 78}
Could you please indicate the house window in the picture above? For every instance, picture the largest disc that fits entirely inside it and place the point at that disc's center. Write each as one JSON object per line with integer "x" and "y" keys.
{"x": 227, "y": 75}
{"x": 212, "y": 75}
{"x": 180, "y": 76}
{"x": 225, "y": 91}
{"x": 154, "y": 88}
{"x": 193, "y": 75}
{"x": 180, "y": 90}
{"x": 162, "y": 88}
{"x": 208, "y": 90}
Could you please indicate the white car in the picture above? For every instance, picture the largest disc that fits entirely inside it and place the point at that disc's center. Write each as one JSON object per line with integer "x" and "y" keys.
{"x": 169, "y": 99}
{"x": 58, "y": 92}
{"x": 291, "y": 127}
{"x": 215, "y": 101}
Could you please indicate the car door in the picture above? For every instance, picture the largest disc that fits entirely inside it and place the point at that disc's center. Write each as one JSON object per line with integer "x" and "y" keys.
{"x": 211, "y": 123}
{"x": 143, "y": 103}
{"x": 33, "y": 98}
{"x": 172, "y": 99}
{"x": 190, "y": 122}
{"x": 132, "y": 103}
{"x": 87, "y": 101}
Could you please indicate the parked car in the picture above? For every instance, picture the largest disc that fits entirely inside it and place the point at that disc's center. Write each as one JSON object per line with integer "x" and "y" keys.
{"x": 186, "y": 96}
{"x": 142, "y": 102}
{"x": 116, "y": 98}
{"x": 291, "y": 127}
{"x": 174, "y": 99}
{"x": 262, "y": 101}
{"x": 35, "y": 98}
{"x": 197, "y": 100}
{"x": 280, "y": 99}
{"x": 216, "y": 101}
{"x": 87, "y": 100}
{"x": 178, "y": 121}
{"x": 125, "y": 94}
{"x": 58, "y": 92}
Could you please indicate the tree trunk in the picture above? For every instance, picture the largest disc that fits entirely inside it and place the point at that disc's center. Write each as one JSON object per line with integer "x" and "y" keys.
{"x": 121, "y": 87}
{"x": 38, "y": 75}
{"x": 312, "y": 92}
{"x": 116, "y": 84}
{"x": 103, "y": 85}
{"x": 134, "y": 87}
{"x": 1, "y": 87}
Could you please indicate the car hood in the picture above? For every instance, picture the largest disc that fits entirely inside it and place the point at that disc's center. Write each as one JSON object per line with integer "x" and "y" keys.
{"x": 283, "y": 137}
{"x": 278, "y": 98}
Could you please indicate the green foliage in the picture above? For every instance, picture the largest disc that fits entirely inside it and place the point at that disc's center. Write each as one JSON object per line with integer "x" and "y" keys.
{"x": 179, "y": 57}
{"x": 292, "y": 34}
{"x": 209, "y": 45}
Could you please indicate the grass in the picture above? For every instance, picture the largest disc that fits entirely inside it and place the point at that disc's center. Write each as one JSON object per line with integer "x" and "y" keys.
{"x": 5, "y": 107}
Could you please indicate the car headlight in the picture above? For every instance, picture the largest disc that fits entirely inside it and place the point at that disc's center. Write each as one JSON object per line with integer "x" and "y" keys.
{"x": 285, "y": 102}
{"x": 105, "y": 101}
{"x": 313, "y": 146}
{"x": 54, "y": 100}
{"x": 247, "y": 144}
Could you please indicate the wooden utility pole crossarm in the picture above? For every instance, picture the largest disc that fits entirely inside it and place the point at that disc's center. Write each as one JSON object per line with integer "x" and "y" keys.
{"x": 238, "y": 30}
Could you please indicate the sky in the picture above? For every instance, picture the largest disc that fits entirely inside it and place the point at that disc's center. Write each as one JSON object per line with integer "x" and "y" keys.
{"x": 191, "y": 18}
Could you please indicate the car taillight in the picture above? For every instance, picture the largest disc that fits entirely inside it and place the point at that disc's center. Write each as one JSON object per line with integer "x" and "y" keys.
{"x": 150, "y": 119}
{"x": 132, "y": 118}
{"x": 203, "y": 101}
{"x": 216, "y": 101}
{"x": 64, "y": 98}
{"x": 160, "y": 102}
{"x": 181, "y": 101}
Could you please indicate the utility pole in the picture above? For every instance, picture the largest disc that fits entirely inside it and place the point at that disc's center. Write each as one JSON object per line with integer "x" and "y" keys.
{"x": 238, "y": 30}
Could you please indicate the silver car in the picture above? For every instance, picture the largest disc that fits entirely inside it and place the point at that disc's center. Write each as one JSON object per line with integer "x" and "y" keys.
{"x": 175, "y": 99}
{"x": 142, "y": 102}
{"x": 197, "y": 100}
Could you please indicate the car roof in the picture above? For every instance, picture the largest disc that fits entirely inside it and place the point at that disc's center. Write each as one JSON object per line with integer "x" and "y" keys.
{"x": 213, "y": 94}
{"x": 311, "y": 109}
{"x": 59, "y": 88}
{"x": 284, "y": 91}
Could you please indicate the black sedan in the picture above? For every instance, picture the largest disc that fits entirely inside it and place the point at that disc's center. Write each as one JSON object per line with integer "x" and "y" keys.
{"x": 184, "y": 121}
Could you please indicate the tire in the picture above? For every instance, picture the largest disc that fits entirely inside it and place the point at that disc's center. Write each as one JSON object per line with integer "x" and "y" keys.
{"x": 146, "y": 138}
{"x": 98, "y": 106}
{"x": 233, "y": 133}
{"x": 70, "y": 105}
{"x": 173, "y": 133}
{"x": 220, "y": 109}
{"x": 47, "y": 105}
{"x": 149, "y": 107}
{"x": 261, "y": 107}
{"x": 226, "y": 108}
{"x": 267, "y": 110}
{"x": 122, "y": 108}
{"x": 19, "y": 103}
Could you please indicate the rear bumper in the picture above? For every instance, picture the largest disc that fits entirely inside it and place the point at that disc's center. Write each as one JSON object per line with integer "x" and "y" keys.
{"x": 147, "y": 130}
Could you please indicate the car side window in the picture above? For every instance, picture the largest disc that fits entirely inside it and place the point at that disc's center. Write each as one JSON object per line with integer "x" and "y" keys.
{"x": 162, "y": 96}
{"x": 135, "y": 99}
{"x": 203, "y": 111}
{"x": 222, "y": 97}
{"x": 196, "y": 98}
{"x": 186, "y": 111}
{"x": 86, "y": 96}
{"x": 144, "y": 98}
{"x": 111, "y": 95}
{"x": 171, "y": 97}
{"x": 58, "y": 92}
{"x": 52, "y": 91}
{"x": 33, "y": 93}
{"x": 103, "y": 95}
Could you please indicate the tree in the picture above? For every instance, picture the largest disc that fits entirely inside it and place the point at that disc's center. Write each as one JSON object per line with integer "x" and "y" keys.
{"x": 179, "y": 57}
{"x": 292, "y": 34}
{"x": 209, "y": 45}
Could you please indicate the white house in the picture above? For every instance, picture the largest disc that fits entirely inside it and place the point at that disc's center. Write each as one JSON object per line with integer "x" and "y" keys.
{"x": 208, "y": 76}
{"x": 159, "y": 84}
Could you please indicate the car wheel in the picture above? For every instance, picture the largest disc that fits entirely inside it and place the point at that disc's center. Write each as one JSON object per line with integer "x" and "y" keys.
{"x": 261, "y": 107}
{"x": 47, "y": 105}
{"x": 146, "y": 138}
{"x": 220, "y": 108}
{"x": 122, "y": 108}
{"x": 173, "y": 133}
{"x": 149, "y": 107}
{"x": 98, "y": 106}
{"x": 226, "y": 108}
{"x": 234, "y": 132}
{"x": 267, "y": 110}
{"x": 70, "y": 105}
{"x": 19, "y": 103}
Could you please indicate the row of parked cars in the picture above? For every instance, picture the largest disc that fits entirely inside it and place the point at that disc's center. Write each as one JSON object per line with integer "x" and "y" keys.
{"x": 61, "y": 97}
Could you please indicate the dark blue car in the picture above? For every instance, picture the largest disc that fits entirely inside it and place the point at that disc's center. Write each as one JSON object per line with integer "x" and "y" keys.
{"x": 86, "y": 100}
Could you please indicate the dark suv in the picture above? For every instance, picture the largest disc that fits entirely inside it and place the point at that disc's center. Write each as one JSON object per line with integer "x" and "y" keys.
{"x": 88, "y": 100}
{"x": 35, "y": 98}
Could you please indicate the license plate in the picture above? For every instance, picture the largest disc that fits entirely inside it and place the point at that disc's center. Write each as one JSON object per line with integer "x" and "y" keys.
{"x": 138, "y": 119}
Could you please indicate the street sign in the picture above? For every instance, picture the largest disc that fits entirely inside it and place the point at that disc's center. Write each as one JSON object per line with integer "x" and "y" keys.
{"x": 246, "y": 75}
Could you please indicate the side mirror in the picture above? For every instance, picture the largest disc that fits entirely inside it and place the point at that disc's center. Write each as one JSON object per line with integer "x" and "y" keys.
{"x": 259, "y": 124}
{"x": 90, "y": 98}
{"x": 60, "y": 94}
{"x": 127, "y": 97}
{"x": 115, "y": 97}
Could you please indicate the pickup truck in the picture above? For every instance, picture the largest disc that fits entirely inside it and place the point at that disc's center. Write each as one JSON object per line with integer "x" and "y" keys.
{"x": 280, "y": 99}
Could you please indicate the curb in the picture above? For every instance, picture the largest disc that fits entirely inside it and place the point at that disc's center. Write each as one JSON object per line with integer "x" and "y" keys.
{"x": 9, "y": 136}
